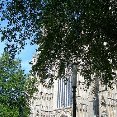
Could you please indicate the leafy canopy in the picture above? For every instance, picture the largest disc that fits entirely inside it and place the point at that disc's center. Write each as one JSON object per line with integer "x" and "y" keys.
{"x": 13, "y": 97}
{"x": 83, "y": 31}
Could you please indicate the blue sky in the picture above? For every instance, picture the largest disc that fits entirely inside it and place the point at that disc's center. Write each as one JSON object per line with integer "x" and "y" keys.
{"x": 26, "y": 55}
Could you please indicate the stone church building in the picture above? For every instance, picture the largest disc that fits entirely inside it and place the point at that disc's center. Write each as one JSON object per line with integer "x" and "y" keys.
{"x": 57, "y": 100}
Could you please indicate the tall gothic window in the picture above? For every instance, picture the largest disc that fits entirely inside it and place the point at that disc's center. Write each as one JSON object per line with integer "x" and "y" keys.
{"x": 64, "y": 95}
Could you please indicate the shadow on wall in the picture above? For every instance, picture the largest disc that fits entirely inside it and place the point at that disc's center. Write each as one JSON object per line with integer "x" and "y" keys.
{"x": 63, "y": 116}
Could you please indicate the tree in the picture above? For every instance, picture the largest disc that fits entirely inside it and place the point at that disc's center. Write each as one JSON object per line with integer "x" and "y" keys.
{"x": 13, "y": 98}
{"x": 83, "y": 31}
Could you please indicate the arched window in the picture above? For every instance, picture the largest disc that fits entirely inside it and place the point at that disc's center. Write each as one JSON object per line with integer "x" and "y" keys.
{"x": 64, "y": 96}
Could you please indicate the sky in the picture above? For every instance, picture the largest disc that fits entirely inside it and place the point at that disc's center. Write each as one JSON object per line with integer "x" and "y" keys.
{"x": 26, "y": 55}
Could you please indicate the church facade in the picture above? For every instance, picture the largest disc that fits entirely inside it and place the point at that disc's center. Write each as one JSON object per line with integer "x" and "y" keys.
{"x": 57, "y": 100}
{"x": 90, "y": 102}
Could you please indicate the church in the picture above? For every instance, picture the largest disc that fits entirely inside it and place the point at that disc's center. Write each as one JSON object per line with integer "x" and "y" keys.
{"x": 57, "y": 101}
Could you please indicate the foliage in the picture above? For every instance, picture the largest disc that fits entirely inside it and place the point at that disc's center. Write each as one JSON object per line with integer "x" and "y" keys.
{"x": 83, "y": 31}
{"x": 30, "y": 86}
{"x": 13, "y": 97}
